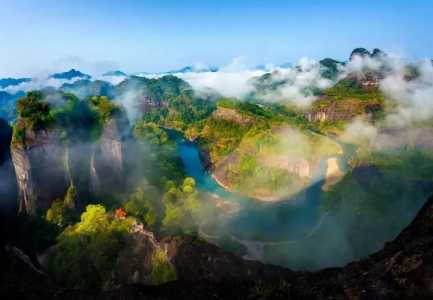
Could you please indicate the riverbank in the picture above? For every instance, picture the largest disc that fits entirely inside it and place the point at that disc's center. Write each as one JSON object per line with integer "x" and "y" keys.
{"x": 253, "y": 196}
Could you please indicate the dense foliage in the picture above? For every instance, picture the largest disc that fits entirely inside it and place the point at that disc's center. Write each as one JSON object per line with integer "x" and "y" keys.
{"x": 34, "y": 110}
{"x": 86, "y": 252}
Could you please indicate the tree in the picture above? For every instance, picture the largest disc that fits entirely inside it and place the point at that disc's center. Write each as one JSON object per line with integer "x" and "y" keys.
{"x": 182, "y": 207}
{"x": 94, "y": 219}
{"x": 55, "y": 213}
{"x": 87, "y": 251}
{"x": 104, "y": 106}
{"x": 142, "y": 207}
{"x": 63, "y": 213}
{"x": 35, "y": 111}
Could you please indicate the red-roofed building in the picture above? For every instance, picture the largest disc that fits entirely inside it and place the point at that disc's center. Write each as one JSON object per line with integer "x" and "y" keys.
{"x": 120, "y": 213}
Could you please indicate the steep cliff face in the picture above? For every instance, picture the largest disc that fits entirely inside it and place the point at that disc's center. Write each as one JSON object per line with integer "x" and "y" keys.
{"x": 110, "y": 144}
{"x": 40, "y": 170}
{"x": 107, "y": 158}
{"x": 343, "y": 110}
{"x": 45, "y": 166}
{"x": 7, "y": 174}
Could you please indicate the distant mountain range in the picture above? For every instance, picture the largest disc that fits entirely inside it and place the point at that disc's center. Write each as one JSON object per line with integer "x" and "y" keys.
{"x": 71, "y": 74}
{"x": 187, "y": 69}
{"x": 6, "y": 82}
{"x": 7, "y": 105}
{"x": 85, "y": 88}
{"x": 116, "y": 73}
{"x": 190, "y": 69}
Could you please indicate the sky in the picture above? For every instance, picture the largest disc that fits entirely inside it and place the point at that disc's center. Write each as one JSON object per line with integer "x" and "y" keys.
{"x": 152, "y": 36}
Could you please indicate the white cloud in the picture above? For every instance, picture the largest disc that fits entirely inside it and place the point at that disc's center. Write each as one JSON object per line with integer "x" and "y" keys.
{"x": 414, "y": 97}
{"x": 299, "y": 83}
{"x": 39, "y": 83}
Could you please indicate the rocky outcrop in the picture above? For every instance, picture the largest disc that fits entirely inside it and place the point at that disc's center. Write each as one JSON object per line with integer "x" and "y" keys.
{"x": 40, "y": 170}
{"x": 195, "y": 259}
{"x": 333, "y": 174}
{"x": 333, "y": 111}
{"x": 45, "y": 166}
{"x": 362, "y": 52}
{"x": 135, "y": 262}
{"x": 231, "y": 115}
{"x": 110, "y": 144}
{"x": 107, "y": 158}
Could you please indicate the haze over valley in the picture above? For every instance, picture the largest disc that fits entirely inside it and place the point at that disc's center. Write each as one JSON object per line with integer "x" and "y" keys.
{"x": 305, "y": 178}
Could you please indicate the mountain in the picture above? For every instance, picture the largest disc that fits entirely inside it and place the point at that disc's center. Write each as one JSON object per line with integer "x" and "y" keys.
{"x": 286, "y": 65}
{"x": 119, "y": 208}
{"x": 116, "y": 73}
{"x": 71, "y": 74}
{"x": 39, "y": 151}
{"x": 401, "y": 270}
{"x": 186, "y": 69}
{"x": 194, "y": 69}
{"x": 159, "y": 89}
{"x": 7, "y": 105}
{"x": 330, "y": 68}
{"x": 85, "y": 88}
{"x": 5, "y": 82}
{"x": 362, "y": 52}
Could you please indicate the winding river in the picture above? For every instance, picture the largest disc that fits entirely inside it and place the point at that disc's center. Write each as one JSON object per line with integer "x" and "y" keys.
{"x": 296, "y": 233}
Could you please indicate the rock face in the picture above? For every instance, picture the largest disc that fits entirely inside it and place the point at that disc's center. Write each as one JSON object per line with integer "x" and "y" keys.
{"x": 333, "y": 173}
{"x": 342, "y": 110}
{"x": 45, "y": 166}
{"x": 195, "y": 260}
{"x": 134, "y": 263}
{"x": 107, "y": 159}
{"x": 40, "y": 171}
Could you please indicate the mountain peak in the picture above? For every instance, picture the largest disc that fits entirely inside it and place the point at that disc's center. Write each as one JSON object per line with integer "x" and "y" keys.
{"x": 197, "y": 69}
{"x": 116, "y": 73}
{"x": 72, "y": 73}
{"x": 6, "y": 82}
{"x": 362, "y": 52}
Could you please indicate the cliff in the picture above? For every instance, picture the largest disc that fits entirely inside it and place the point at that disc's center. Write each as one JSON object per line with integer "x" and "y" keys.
{"x": 38, "y": 160}
{"x": 7, "y": 183}
{"x": 334, "y": 110}
{"x": 107, "y": 158}
{"x": 46, "y": 166}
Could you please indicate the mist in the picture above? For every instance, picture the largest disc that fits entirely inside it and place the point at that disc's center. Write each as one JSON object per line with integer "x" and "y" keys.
{"x": 270, "y": 226}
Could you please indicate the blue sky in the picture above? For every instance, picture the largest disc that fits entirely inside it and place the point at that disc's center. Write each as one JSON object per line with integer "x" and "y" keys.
{"x": 39, "y": 36}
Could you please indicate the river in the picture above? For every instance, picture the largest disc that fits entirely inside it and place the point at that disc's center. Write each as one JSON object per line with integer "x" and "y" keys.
{"x": 297, "y": 233}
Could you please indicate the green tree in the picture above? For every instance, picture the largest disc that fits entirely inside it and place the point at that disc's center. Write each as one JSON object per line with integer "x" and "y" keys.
{"x": 182, "y": 207}
{"x": 141, "y": 206}
{"x": 55, "y": 213}
{"x": 86, "y": 252}
{"x": 34, "y": 110}
{"x": 162, "y": 270}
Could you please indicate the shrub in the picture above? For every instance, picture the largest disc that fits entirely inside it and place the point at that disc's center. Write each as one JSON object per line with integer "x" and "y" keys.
{"x": 162, "y": 270}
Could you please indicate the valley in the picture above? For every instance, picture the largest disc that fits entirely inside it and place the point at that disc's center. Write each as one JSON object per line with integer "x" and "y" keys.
{"x": 109, "y": 180}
